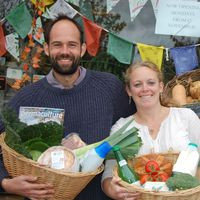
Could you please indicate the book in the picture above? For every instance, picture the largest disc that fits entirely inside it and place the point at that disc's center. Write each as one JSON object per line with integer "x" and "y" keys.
{"x": 35, "y": 115}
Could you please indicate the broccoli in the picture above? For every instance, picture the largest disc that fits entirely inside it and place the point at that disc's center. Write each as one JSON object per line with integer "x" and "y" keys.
{"x": 182, "y": 181}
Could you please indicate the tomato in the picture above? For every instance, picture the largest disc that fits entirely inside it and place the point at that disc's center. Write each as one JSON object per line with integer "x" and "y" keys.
{"x": 144, "y": 178}
{"x": 152, "y": 166}
{"x": 162, "y": 177}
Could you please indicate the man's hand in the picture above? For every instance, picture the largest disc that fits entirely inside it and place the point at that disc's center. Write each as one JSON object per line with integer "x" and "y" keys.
{"x": 26, "y": 186}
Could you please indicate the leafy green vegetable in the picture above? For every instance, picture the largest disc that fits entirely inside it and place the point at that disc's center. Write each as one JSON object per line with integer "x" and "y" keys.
{"x": 10, "y": 119}
{"x": 182, "y": 181}
{"x": 21, "y": 149}
{"x": 35, "y": 154}
{"x": 25, "y": 139}
{"x": 50, "y": 132}
{"x": 129, "y": 141}
{"x": 38, "y": 145}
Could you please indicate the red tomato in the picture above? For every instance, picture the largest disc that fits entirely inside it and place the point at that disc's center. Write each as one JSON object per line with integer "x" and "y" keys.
{"x": 162, "y": 177}
{"x": 152, "y": 166}
{"x": 144, "y": 178}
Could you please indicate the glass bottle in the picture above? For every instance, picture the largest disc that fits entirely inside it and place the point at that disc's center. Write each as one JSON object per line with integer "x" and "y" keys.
{"x": 124, "y": 171}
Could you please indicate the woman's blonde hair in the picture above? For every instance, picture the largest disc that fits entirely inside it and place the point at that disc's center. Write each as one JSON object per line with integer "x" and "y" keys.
{"x": 138, "y": 64}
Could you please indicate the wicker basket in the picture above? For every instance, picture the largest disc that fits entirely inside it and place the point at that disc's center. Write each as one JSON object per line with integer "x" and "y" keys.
{"x": 190, "y": 194}
{"x": 184, "y": 79}
{"x": 67, "y": 185}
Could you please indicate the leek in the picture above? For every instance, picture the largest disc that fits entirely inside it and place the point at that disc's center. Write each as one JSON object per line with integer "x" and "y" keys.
{"x": 128, "y": 140}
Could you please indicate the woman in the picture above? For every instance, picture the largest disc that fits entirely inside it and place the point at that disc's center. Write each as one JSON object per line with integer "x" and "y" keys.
{"x": 160, "y": 128}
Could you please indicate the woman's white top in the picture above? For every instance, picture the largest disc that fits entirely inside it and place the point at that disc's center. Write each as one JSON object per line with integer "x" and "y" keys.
{"x": 180, "y": 127}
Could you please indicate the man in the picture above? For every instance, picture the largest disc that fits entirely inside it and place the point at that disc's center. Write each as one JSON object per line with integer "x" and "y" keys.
{"x": 92, "y": 100}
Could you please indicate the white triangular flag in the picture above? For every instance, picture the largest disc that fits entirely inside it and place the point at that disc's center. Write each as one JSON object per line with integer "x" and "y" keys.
{"x": 61, "y": 7}
{"x": 39, "y": 26}
{"x": 12, "y": 45}
{"x": 155, "y": 6}
{"x": 135, "y": 7}
{"x": 111, "y": 4}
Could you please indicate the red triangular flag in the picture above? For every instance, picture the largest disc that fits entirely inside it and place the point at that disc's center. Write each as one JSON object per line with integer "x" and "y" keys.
{"x": 92, "y": 36}
{"x": 2, "y": 42}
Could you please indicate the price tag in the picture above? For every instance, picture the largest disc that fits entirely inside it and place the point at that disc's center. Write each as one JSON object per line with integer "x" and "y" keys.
{"x": 57, "y": 159}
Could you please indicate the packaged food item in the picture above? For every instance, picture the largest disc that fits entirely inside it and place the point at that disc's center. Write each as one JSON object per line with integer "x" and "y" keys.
{"x": 73, "y": 141}
{"x": 60, "y": 158}
{"x": 156, "y": 186}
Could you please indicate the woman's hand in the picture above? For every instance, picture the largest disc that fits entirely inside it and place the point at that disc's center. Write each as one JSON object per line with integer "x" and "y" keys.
{"x": 114, "y": 190}
{"x": 26, "y": 186}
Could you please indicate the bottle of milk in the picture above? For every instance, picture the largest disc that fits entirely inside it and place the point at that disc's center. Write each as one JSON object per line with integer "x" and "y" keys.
{"x": 188, "y": 160}
{"x": 95, "y": 157}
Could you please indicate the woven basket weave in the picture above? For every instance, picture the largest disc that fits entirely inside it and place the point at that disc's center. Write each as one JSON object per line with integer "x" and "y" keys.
{"x": 184, "y": 79}
{"x": 190, "y": 194}
{"x": 67, "y": 185}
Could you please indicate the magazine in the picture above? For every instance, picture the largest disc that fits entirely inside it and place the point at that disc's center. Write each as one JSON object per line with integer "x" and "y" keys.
{"x": 35, "y": 115}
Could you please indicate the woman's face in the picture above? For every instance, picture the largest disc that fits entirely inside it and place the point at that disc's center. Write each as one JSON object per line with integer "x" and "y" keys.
{"x": 145, "y": 87}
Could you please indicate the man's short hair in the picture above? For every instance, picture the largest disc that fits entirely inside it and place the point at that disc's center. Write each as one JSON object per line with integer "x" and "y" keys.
{"x": 50, "y": 24}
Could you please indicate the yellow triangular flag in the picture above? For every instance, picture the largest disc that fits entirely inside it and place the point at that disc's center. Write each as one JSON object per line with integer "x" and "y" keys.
{"x": 44, "y": 2}
{"x": 151, "y": 53}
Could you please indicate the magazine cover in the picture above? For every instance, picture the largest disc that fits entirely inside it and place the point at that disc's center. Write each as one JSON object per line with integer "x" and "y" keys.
{"x": 35, "y": 115}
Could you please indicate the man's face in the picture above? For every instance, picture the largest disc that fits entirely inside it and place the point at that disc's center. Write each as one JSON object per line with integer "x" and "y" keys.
{"x": 64, "y": 48}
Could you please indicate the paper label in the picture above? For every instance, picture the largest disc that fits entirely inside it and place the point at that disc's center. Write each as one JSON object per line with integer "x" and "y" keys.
{"x": 57, "y": 159}
{"x": 122, "y": 163}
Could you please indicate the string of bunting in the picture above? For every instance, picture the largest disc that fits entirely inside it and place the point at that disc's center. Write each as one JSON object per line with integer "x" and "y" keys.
{"x": 185, "y": 57}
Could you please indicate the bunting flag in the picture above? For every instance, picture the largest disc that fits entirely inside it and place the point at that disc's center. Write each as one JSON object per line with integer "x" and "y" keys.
{"x": 121, "y": 49}
{"x": 92, "y": 36}
{"x": 2, "y": 42}
{"x": 86, "y": 9}
{"x": 111, "y": 4}
{"x": 75, "y": 2}
{"x": 155, "y": 6}
{"x": 38, "y": 31}
{"x": 43, "y": 4}
{"x": 185, "y": 58}
{"x": 12, "y": 45}
{"x": 151, "y": 53}
{"x": 135, "y": 7}
{"x": 60, "y": 7}
{"x": 5, "y": 8}
{"x": 20, "y": 19}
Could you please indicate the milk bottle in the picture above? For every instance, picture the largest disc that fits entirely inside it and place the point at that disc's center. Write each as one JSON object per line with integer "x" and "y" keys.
{"x": 188, "y": 160}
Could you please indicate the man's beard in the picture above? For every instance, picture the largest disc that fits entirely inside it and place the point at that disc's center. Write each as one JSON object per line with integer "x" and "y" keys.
{"x": 62, "y": 70}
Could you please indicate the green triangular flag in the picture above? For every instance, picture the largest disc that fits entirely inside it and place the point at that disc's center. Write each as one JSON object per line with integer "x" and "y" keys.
{"x": 121, "y": 49}
{"x": 20, "y": 19}
{"x": 86, "y": 9}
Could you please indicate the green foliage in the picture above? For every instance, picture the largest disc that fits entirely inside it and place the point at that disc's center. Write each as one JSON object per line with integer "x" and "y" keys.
{"x": 24, "y": 139}
{"x": 11, "y": 120}
{"x": 106, "y": 63}
{"x": 182, "y": 181}
{"x": 129, "y": 141}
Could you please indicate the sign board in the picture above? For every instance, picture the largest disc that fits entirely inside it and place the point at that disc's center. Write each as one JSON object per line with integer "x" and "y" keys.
{"x": 178, "y": 18}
